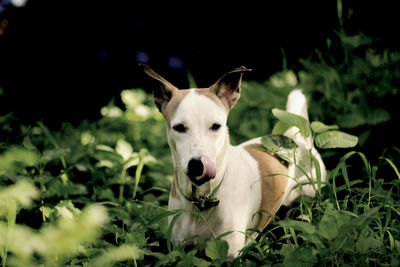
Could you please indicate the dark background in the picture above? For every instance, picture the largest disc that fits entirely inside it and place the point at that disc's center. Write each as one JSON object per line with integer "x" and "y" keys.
{"x": 64, "y": 60}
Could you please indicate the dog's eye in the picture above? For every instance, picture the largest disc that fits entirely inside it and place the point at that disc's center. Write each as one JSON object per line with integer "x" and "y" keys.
{"x": 215, "y": 127}
{"x": 180, "y": 128}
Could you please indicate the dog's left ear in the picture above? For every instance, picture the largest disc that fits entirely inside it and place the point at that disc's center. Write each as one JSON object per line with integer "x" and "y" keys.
{"x": 227, "y": 88}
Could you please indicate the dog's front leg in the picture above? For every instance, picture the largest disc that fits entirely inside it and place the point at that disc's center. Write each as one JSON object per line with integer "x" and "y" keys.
{"x": 236, "y": 241}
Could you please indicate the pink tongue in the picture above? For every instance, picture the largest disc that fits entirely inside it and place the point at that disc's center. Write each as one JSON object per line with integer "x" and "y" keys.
{"x": 209, "y": 169}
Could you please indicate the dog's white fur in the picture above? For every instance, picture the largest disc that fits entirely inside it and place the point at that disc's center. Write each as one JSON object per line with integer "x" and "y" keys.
{"x": 242, "y": 193}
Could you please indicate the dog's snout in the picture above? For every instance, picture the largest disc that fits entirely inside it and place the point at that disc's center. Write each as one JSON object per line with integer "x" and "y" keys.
{"x": 195, "y": 168}
{"x": 201, "y": 170}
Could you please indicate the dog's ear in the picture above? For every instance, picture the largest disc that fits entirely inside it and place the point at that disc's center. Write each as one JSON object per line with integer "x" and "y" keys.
{"x": 162, "y": 89}
{"x": 227, "y": 88}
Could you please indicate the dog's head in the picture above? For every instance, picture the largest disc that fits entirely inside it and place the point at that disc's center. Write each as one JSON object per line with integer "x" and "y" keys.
{"x": 196, "y": 119}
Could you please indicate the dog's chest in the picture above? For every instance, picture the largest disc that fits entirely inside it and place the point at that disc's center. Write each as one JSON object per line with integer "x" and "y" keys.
{"x": 239, "y": 196}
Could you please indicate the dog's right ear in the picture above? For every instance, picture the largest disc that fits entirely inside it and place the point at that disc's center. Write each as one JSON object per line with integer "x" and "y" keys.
{"x": 162, "y": 89}
{"x": 227, "y": 88}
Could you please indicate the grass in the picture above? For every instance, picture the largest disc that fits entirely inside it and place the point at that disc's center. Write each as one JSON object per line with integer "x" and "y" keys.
{"x": 96, "y": 193}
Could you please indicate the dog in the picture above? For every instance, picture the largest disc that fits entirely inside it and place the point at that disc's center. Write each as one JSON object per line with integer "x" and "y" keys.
{"x": 235, "y": 188}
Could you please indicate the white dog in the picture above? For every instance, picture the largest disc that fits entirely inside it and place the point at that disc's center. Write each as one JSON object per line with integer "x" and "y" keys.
{"x": 236, "y": 188}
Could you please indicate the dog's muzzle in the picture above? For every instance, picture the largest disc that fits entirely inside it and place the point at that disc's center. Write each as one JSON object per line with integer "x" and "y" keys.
{"x": 201, "y": 170}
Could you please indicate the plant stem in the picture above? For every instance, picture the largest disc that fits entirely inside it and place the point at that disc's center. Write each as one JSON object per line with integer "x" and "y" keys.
{"x": 122, "y": 184}
{"x": 138, "y": 172}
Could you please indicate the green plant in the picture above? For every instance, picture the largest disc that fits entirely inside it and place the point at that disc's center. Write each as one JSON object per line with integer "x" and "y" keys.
{"x": 96, "y": 193}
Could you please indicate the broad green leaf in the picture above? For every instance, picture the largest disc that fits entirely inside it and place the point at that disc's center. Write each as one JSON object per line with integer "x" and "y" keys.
{"x": 378, "y": 116}
{"x": 105, "y": 148}
{"x": 124, "y": 149}
{"x": 280, "y": 128}
{"x": 111, "y": 112}
{"x": 117, "y": 254}
{"x": 302, "y": 256}
{"x": 87, "y": 138}
{"x": 335, "y": 139}
{"x": 55, "y": 153}
{"x": 298, "y": 225}
{"x": 169, "y": 259}
{"x": 359, "y": 224}
{"x": 366, "y": 244}
{"x": 280, "y": 145}
{"x": 23, "y": 192}
{"x": 217, "y": 249}
{"x": 352, "y": 120}
{"x": 293, "y": 120}
{"x": 133, "y": 98}
{"x": 28, "y": 144}
{"x": 17, "y": 158}
{"x": 331, "y": 222}
{"x": 109, "y": 154}
{"x": 319, "y": 127}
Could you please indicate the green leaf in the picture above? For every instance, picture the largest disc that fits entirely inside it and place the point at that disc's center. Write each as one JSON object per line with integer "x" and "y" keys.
{"x": 331, "y": 222}
{"x": 352, "y": 120}
{"x": 28, "y": 144}
{"x": 298, "y": 225}
{"x": 378, "y": 116}
{"x": 393, "y": 166}
{"x": 280, "y": 145}
{"x": 319, "y": 127}
{"x": 303, "y": 256}
{"x": 54, "y": 153}
{"x": 124, "y": 149}
{"x": 335, "y": 139}
{"x": 217, "y": 249}
{"x": 48, "y": 134}
{"x": 359, "y": 224}
{"x": 169, "y": 232}
{"x": 17, "y": 158}
{"x": 280, "y": 128}
{"x": 118, "y": 254}
{"x": 366, "y": 244}
{"x": 291, "y": 119}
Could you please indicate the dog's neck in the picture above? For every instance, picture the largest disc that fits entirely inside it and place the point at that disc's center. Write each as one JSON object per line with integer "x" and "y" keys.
{"x": 186, "y": 187}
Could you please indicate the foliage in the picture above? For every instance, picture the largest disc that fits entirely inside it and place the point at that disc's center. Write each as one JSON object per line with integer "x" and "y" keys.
{"x": 96, "y": 194}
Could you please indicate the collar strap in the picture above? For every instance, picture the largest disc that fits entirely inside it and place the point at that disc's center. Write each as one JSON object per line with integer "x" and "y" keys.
{"x": 203, "y": 202}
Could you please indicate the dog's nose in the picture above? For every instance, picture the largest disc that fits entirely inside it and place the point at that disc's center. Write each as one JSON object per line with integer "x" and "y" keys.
{"x": 195, "y": 168}
{"x": 201, "y": 170}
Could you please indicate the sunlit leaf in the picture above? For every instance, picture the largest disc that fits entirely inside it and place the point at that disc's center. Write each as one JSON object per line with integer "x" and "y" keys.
{"x": 117, "y": 254}
{"x": 23, "y": 192}
{"x": 280, "y": 128}
{"x": 280, "y": 145}
{"x": 17, "y": 158}
{"x": 319, "y": 127}
{"x": 87, "y": 138}
{"x": 335, "y": 139}
{"x": 124, "y": 149}
{"x": 111, "y": 112}
{"x": 293, "y": 120}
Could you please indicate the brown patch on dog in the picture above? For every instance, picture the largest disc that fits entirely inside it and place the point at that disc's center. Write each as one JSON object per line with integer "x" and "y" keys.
{"x": 173, "y": 104}
{"x": 178, "y": 96}
{"x": 227, "y": 88}
{"x": 273, "y": 182}
{"x": 174, "y": 185}
{"x": 211, "y": 95}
